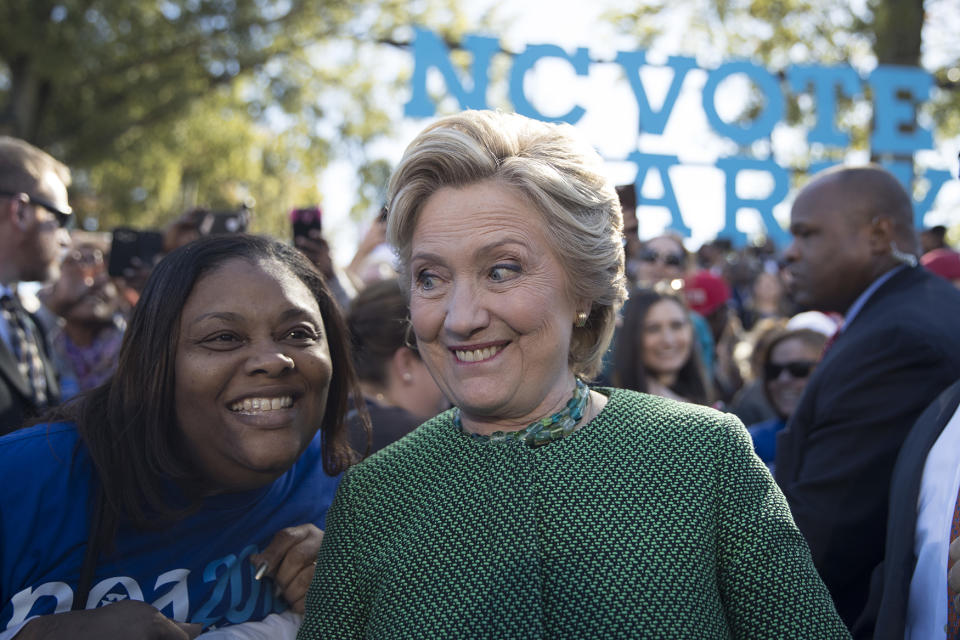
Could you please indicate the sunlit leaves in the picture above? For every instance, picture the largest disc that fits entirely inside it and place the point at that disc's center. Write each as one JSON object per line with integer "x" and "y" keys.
{"x": 161, "y": 105}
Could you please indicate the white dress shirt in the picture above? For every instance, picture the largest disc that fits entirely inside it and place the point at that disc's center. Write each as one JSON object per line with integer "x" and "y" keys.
{"x": 927, "y": 606}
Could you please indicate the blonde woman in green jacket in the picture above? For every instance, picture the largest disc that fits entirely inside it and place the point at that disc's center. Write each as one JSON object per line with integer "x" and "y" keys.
{"x": 538, "y": 507}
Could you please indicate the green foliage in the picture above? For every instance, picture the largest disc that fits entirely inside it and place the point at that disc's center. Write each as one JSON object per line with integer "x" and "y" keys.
{"x": 162, "y": 105}
{"x": 212, "y": 156}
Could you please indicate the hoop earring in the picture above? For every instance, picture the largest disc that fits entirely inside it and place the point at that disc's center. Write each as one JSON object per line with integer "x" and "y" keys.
{"x": 581, "y": 320}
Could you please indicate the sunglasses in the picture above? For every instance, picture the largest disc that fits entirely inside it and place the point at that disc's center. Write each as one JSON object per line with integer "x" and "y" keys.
{"x": 64, "y": 216}
{"x": 670, "y": 259}
{"x": 799, "y": 369}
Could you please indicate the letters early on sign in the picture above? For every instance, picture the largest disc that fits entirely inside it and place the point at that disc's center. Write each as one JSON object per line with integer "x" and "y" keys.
{"x": 896, "y": 93}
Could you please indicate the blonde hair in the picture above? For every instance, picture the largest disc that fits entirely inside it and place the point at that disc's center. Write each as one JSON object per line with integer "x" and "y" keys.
{"x": 562, "y": 178}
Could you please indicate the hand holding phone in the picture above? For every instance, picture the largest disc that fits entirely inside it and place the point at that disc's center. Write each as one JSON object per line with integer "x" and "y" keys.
{"x": 217, "y": 222}
{"x": 133, "y": 249}
{"x": 307, "y": 223}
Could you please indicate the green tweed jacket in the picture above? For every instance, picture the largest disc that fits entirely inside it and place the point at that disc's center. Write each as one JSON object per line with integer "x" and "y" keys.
{"x": 655, "y": 520}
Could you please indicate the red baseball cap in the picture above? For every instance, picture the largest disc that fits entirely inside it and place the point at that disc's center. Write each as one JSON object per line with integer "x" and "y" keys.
{"x": 706, "y": 292}
{"x": 943, "y": 262}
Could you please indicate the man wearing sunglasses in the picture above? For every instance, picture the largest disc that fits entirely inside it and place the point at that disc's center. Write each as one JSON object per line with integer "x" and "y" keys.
{"x": 854, "y": 252}
{"x": 33, "y": 214}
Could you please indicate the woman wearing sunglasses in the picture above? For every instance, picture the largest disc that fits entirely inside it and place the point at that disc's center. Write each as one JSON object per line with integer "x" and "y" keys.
{"x": 787, "y": 363}
{"x": 660, "y": 259}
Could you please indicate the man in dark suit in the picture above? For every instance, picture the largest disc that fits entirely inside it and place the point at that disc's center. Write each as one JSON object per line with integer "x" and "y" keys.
{"x": 33, "y": 211}
{"x": 923, "y": 495}
{"x": 854, "y": 252}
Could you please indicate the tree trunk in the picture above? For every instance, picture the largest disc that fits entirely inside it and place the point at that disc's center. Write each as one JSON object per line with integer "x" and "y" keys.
{"x": 898, "y": 25}
{"x": 20, "y": 116}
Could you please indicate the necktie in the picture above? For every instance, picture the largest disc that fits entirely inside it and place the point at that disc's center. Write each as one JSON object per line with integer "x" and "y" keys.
{"x": 833, "y": 337}
{"x": 829, "y": 343}
{"x": 26, "y": 348}
{"x": 953, "y": 616}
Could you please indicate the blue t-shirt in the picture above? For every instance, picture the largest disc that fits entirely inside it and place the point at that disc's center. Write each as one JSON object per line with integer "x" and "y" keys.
{"x": 196, "y": 570}
{"x": 764, "y": 435}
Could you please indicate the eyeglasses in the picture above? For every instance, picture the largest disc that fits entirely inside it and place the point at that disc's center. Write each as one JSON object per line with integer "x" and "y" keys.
{"x": 83, "y": 258}
{"x": 798, "y": 369}
{"x": 669, "y": 259}
{"x": 64, "y": 215}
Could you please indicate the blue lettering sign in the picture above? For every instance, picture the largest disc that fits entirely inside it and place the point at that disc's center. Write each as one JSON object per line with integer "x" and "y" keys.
{"x": 896, "y": 94}
{"x": 662, "y": 164}
{"x": 935, "y": 179}
{"x": 781, "y": 185}
{"x": 429, "y": 52}
{"x": 771, "y": 114}
{"x": 651, "y": 121}
{"x": 525, "y": 61}
{"x": 827, "y": 82}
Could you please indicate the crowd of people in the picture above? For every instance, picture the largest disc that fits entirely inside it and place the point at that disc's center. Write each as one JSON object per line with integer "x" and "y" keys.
{"x": 531, "y": 423}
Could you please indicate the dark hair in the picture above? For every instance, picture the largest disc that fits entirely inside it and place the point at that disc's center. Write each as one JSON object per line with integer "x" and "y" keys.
{"x": 378, "y": 320}
{"x": 628, "y": 368}
{"x": 128, "y": 423}
{"x": 22, "y": 166}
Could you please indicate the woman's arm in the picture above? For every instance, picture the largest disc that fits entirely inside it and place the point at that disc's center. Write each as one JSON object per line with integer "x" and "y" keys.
{"x": 125, "y": 619}
{"x": 768, "y": 583}
{"x": 276, "y": 626}
{"x": 337, "y": 605}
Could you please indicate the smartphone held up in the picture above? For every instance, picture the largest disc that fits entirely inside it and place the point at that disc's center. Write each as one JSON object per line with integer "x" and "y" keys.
{"x": 306, "y": 220}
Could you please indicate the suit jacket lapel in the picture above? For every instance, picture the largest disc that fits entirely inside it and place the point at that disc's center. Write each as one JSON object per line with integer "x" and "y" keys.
{"x": 899, "y": 557}
{"x": 904, "y": 279}
{"x": 50, "y": 371}
{"x": 10, "y": 370}
{"x": 804, "y": 415}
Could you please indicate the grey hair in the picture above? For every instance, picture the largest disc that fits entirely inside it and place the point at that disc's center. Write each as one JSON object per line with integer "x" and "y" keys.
{"x": 560, "y": 175}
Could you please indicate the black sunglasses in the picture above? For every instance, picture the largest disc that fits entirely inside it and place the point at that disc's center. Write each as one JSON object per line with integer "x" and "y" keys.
{"x": 798, "y": 369}
{"x": 64, "y": 216}
{"x": 671, "y": 259}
